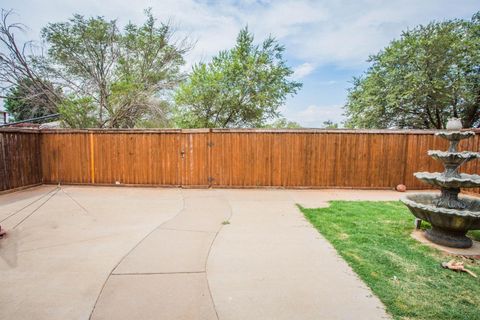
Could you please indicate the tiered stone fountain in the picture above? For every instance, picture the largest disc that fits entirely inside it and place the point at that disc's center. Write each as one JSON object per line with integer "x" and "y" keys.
{"x": 450, "y": 215}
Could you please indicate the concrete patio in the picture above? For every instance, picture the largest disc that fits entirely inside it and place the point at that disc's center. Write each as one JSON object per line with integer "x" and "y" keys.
{"x": 79, "y": 252}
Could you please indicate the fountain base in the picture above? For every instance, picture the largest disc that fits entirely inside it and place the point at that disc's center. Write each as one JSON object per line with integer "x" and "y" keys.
{"x": 449, "y": 226}
{"x": 449, "y": 238}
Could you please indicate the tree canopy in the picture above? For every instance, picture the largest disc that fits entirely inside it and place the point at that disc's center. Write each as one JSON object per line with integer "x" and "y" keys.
{"x": 27, "y": 101}
{"x": 124, "y": 75}
{"x": 430, "y": 74}
{"x": 96, "y": 74}
{"x": 92, "y": 70}
{"x": 241, "y": 87}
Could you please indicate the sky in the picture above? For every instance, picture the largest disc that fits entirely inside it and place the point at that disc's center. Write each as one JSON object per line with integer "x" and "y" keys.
{"x": 327, "y": 42}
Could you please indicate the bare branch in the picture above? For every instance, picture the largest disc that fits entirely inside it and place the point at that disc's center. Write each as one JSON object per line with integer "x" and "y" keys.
{"x": 17, "y": 69}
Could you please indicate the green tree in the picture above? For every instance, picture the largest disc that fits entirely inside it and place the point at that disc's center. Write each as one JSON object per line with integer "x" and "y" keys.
{"x": 128, "y": 75}
{"x": 78, "y": 112}
{"x": 283, "y": 123}
{"x": 329, "y": 124}
{"x": 241, "y": 87}
{"x": 430, "y": 74}
{"x": 26, "y": 100}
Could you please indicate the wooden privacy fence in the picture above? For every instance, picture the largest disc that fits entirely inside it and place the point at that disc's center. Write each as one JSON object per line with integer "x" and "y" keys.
{"x": 367, "y": 159}
{"x": 20, "y": 159}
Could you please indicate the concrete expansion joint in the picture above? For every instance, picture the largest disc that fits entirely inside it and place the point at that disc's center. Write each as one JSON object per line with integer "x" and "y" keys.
{"x": 131, "y": 250}
{"x": 155, "y": 273}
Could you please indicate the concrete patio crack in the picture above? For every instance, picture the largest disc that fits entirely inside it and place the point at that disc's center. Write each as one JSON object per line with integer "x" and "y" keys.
{"x": 208, "y": 256}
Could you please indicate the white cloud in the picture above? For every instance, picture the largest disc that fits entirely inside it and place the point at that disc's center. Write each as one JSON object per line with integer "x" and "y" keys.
{"x": 316, "y": 33}
{"x": 314, "y": 115}
{"x": 302, "y": 70}
{"x": 350, "y": 31}
{"x": 321, "y": 32}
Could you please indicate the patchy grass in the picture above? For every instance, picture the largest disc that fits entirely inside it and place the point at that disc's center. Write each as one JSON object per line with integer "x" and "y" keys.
{"x": 475, "y": 235}
{"x": 374, "y": 238}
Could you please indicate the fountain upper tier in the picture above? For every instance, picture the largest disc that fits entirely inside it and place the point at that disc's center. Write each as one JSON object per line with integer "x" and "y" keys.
{"x": 453, "y": 158}
{"x": 454, "y": 137}
{"x": 439, "y": 179}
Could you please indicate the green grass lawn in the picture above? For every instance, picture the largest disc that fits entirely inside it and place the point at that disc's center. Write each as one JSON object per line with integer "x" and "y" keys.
{"x": 374, "y": 238}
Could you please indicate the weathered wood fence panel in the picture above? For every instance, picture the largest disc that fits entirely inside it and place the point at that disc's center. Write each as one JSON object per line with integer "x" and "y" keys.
{"x": 20, "y": 162}
{"x": 321, "y": 159}
{"x": 223, "y": 158}
{"x": 111, "y": 158}
{"x": 140, "y": 158}
{"x": 149, "y": 158}
{"x": 65, "y": 157}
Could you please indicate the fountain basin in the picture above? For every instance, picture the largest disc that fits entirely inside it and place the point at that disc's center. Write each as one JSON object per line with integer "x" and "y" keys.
{"x": 449, "y": 226}
{"x": 462, "y": 180}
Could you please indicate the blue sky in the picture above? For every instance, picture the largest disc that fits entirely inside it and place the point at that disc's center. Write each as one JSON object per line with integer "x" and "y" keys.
{"x": 327, "y": 42}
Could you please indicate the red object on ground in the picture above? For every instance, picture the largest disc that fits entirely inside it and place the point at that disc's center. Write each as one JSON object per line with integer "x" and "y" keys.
{"x": 401, "y": 188}
{"x": 2, "y": 232}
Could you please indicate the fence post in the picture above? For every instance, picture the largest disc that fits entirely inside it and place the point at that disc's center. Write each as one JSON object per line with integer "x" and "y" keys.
{"x": 92, "y": 159}
{"x": 405, "y": 157}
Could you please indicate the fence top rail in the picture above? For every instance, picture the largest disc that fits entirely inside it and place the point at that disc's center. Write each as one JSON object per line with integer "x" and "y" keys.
{"x": 19, "y": 130}
{"x": 226, "y": 130}
{"x": 329, "y": 131}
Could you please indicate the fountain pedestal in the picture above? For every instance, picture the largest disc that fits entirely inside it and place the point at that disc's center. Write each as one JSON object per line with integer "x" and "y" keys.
{"x": 449, "y": 238}
{"x": 449, "y": 199}
{"x": 450, "y": 214}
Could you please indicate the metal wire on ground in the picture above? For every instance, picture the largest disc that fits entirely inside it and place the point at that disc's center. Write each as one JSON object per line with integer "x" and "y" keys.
{"x": 76, "y": 202}
{"x": 36, "y": 209}
{"x": 28, "y": 205}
